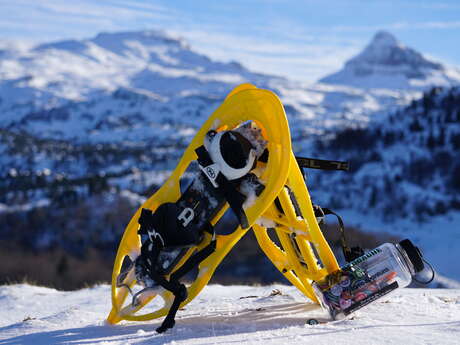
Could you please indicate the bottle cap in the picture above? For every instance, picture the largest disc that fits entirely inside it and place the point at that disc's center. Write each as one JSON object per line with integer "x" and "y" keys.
{"x": 414, "y": 254}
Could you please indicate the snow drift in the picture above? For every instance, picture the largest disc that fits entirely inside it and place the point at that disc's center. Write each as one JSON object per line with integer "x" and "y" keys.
{"x": 228, "y": 315}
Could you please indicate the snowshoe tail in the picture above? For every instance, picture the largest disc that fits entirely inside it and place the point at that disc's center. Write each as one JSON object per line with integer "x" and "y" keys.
{"x": 289, "y": 234}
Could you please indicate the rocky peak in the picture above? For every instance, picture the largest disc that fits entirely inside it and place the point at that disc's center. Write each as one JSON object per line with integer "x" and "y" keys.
{"x": 384, "y": 38}
{"x": 387, "y": 63}
{"x": 385, "y": 49}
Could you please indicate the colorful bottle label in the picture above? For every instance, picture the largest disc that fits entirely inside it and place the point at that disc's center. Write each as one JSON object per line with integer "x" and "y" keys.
{"x": 352, "y": 287}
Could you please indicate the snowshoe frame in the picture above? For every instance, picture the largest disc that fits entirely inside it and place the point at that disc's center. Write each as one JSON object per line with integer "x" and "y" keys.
{"x": 304, "y": 254}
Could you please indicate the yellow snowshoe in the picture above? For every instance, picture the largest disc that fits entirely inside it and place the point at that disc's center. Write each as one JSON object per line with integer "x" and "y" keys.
{"x": 244, "y": 163}
{"x": 248, "y": 117}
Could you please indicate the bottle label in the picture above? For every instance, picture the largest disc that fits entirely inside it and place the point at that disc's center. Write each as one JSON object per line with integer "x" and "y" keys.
{"x": 352, "y": 288}
{"x": 370, "y": 298}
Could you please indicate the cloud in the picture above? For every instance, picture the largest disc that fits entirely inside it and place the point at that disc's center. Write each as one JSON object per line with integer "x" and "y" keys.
{"x": 398, "y": 26}
{"x": 101, "y": 9}
{"x": 437, "y": 25}
{"x": 57, "y": 19}
{"x": 306, "y": 61}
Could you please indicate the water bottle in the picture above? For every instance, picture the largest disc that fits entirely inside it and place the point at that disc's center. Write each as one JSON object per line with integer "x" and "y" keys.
{"x": 369, "y": 277}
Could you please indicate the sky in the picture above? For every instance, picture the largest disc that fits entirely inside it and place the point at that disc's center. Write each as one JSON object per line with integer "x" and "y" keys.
{"x": 301, "y": 39}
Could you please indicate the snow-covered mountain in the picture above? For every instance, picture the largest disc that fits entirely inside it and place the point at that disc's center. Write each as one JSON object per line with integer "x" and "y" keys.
{"x": 84, "y": 90}
{"x": 149, "y": 60}
{"x": 387, "y": 63}
{"x": 112, "y": 114}
{"x": 43, "y": 84}
{"x": 228, "y": 315}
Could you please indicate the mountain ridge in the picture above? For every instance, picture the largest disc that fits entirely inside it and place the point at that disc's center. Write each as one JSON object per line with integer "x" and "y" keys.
{"x": 106, "y": 122}
{"x": 164, "y": 64}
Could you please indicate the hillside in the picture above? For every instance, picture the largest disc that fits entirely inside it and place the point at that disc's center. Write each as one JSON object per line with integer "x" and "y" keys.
{"x": 405, "y": 174}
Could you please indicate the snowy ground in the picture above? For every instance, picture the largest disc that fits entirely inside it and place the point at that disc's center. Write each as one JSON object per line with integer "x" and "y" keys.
{"x": 219, "y": 315}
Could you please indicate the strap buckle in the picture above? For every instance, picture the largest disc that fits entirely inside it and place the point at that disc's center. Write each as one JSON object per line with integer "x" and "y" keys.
{"x": 211, "y": 172}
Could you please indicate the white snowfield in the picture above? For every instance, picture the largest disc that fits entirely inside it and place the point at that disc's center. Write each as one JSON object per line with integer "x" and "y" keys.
{"x": 229, "y": 315}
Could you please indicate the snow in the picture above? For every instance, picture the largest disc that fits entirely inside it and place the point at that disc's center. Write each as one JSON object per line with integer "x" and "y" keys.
{"x": 248, "y": 189}
{"x": 4, "y": 208}
{"x": 228, "y": 315}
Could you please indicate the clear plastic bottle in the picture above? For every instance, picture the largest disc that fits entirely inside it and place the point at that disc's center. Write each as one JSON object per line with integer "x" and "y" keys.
{"x": 369, "y": 277}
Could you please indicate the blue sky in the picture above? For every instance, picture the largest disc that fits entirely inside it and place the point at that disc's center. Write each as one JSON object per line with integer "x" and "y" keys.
{"x": 301, "y": 39}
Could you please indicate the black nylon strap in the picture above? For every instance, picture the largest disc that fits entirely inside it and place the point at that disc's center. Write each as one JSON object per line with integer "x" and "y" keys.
{"x": 194, "y": 260}
{"x": 323, "y": 164}
{"x": 234, "y": 198}
{"x": 313, "y": 163}
{"x": 349, "y": 253}
{"x": 203, "y": 156}
{"x": 228, "y": 188}
{"x": 145, "y": 221}
{"x": 179, "y": 290}
{"x": 179, "y": 297}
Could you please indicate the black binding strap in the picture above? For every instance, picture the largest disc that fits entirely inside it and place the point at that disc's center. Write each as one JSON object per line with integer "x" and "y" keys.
{"x": 203, "y": 156}
{"x": 227, "y": 188}
{"x": 234, "y": 198}
{"x": 314, "y": 163}
{"x": 180, "y": 295}
{"x": 179, "y": 290}
{"x": 150, "y": 252}
{"x": 194, "y": 260}
{"x": 349, "y": 253}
